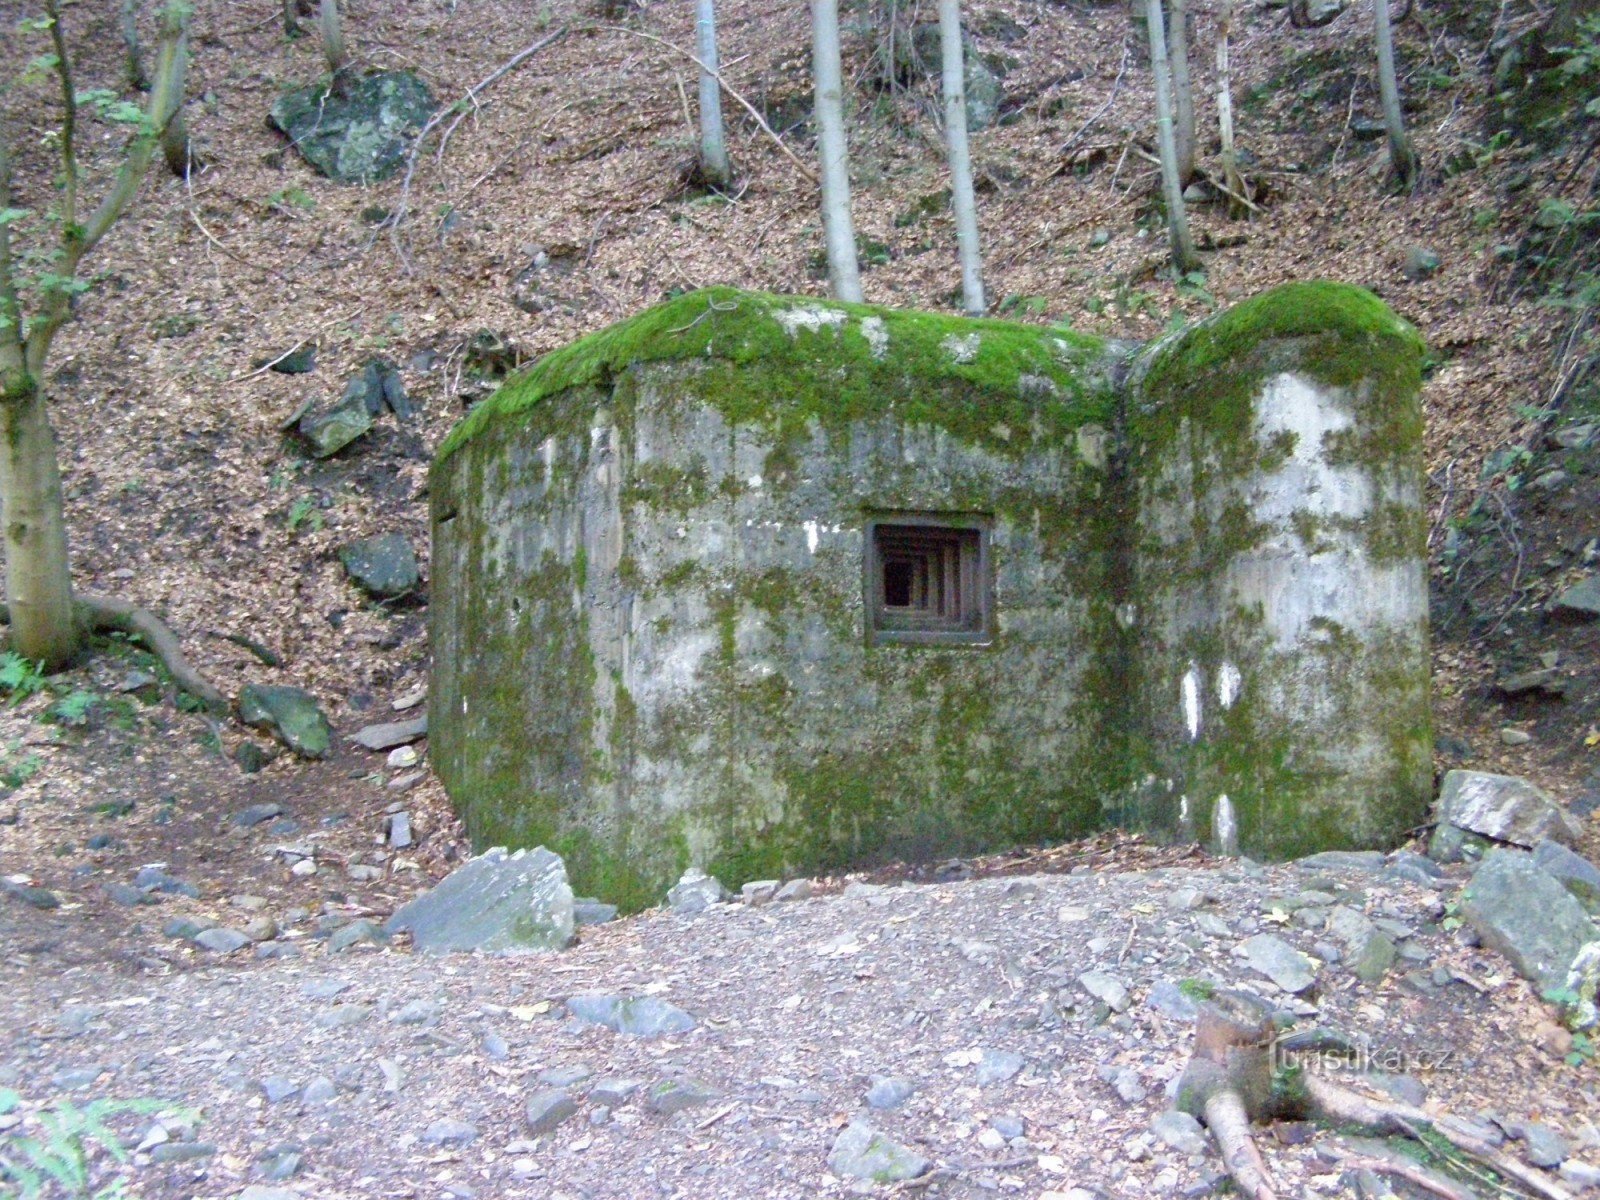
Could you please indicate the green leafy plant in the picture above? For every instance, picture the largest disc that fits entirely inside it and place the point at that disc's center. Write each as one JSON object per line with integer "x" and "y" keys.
{"x": 304, "y": 511}
{"x": 58, "y": 1146}
{"x": 19, "y": 677}
{"x": 72, "y": 709}
{"x": 291, "y": 198}
{"x": 17, "y": 766}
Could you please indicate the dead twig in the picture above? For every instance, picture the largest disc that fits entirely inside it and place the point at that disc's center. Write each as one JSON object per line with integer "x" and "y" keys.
{"x": 1083, "y": 129}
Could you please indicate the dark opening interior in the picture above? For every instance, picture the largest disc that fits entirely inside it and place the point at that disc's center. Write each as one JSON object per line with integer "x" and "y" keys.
{"x": 928, "y": 583}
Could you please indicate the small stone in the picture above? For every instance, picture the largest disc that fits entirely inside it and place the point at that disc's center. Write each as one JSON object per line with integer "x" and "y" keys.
{"x": 1542, "y": 1145}
{"x": 641, "y": 1016}
{"x": 589, "y": 911}
{"x": 330, "y": 431}
{"x": 390, "y": 735}
{"x": 547, "y": 1109}
{"x": 1008, "y": 1127}
{"x": 795, "y": 889}
{"x": 220, "y": 940}
{"x": 402, "y": 757}
{"x": 674, "y": 1095}
{"x": 277, "y": 1089}
{"x": 614, "y": 1092}
{"x": 256, "y": 1192}
{"x": 1279, "y": 962}
{"x": 1515, "y": 737}
{"x": 1420, "y": 264}
{"x": 73, "y": 1079}
{"x": 1181, "y": 1132}
{"x": 759, "y": 891}
{"x": 860, "y": 1152}
{"x": 1580, "y": 602}
{"x": 889, "y": 1091}
{"x": 1170, "y": 1000}
{"x": 1107, "y": 989}
{"x": 449, "y": 1132}
{"x": 319, "y": 1091}
{"x": 495, "y": 1047}
{"x": 279, "y": 1163}
{"x": 128, "y": 895}
{"x": 565, "y": 1077}
{"x": 1125, "y": 1082}
{"x": 419, "y": 1012}
{"x": 695, "y": 892}
{"x": 399, "y": 831}
{"x": 356, "y": 934}
{"x": 260, "y": 929}
{"x": 180, "y": 1152}
{"x": 256, "y": 814}
{"x": 342, "y": 1016}
{"x": 998, "y": 1066}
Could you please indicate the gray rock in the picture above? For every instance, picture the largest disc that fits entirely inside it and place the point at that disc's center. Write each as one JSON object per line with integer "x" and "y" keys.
{"x": 1125, "y": 1082}
{"x": 73, "y": 1079}
{"x": 357, "y": 130}
{"x": 1405, "y": 1088}
{"x": 1007, "y": 1127}
{"x": 565, "y": 1077}
{"x": 1502, "y": 807}
{"x": 1543, "y": 1146}
{"x": 277, "y": 1089}
{"x": 759, "y": 891}
{"x": 1519, "y": 910}
{"x": 1321, "y": 12}
{"x": 419, "y": 1012}
{"x": 495, "y": 1047}
{"x": 1421, "y": 263}
{"x": 256, "y": 1192}
{"x": 695, "y": 892}
{"x": 181, "y": 1152}
{"x": 674, "y": 1095}
{"x": 279, "y": 1163}
{"x": 323, "y": 989}
{"x": 1580, "y": 602}
{"x": 128, "y": 895}
{"x": 256, "y": 814}
{"x": 1170, "y": 1000}
{"x": 398, "y": 830}
{"x": 385, "y": 567}
{"x": 640, "y": 1016}
{"x": 1181, "y": 1132}
{"x": 220, "y": 940}
{"x": 342, "y": 1016}
{"x": 1576, "y": 873}
{"x": 391, "y": 734}
{"x": 860, "y": 1152}
{"x": 547, "y": 1109}
{"x": 889, "y": 1091}
{"x": 1107, "y": 989}
{"x": 356, "y": 933}
{"x": 330, "y": 431}
{"x": 319, "y": 1091}
{"x": 156, "y": 879}
{"x": 997, "y": 1066}
{"x": 1279, "y": 962}
{"x": 1413, "y": 868}
{"x": 291, "y": 714}
{"x": 589, "y": 911}
{"x": 610, "y": 1093}
{"x": 450, "y": 1132}
{"x": 795, "y": 889}
{"x": 1581, "y": 1008}
{"x": 1343, "y": 860}
{"x": 497, "y": 903}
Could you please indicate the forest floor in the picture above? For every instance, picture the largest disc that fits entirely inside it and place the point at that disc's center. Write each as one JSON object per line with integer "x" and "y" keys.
{"x": 185, "y": 495}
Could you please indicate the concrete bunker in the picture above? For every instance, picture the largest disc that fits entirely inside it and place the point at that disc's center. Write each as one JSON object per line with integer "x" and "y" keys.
{"x": 771, "y": 585}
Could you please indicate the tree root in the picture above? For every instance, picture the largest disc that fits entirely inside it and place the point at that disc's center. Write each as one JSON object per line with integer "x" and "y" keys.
{"x": 1227, "y": 1083}
{"x": 102, "y": 614}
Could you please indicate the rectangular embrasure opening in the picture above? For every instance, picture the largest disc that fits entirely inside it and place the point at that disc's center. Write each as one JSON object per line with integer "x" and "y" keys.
{"x": 928, "y": 580}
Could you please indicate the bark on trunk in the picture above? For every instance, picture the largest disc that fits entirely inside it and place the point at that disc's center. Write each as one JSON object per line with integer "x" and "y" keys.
{"x": 838, "y": 228}
{"x": 332, "y": 34}
{"x": 38, "y": 583}
{"x": 962, "y": 199}
{"x": 1182, "y": 90}
{"x": 291, "y": 23}
{"x": 715, "y": 168}
{"x": 1184, "y": 258}
{"x": 1402, "y": 158}
{"x": 138, "y": 80}
{"x": 1231, "y": 178}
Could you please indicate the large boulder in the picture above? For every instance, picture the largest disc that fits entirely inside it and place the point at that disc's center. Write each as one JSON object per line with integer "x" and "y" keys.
{"x": 1502, "y": 808}
{"x": 499, "y": 903}
{"x": 356, "y": 129}
{"x": 1523, "y": 912}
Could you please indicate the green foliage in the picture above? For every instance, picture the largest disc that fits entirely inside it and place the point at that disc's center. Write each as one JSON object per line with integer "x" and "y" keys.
{"x": 17, "y": 766}
{"x": 18, "y": 677}
{"x": 292, "y": 197}
{"x": 1197, "y": 989}
{"x": 304, "y": 511}
{"x": 72, "y": 709}
{"x": 54, "y": 1149}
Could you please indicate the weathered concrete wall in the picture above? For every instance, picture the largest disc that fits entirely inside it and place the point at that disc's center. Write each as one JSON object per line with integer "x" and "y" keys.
{"x": 1277, "y": 595}
{"x": 648, "y": 610}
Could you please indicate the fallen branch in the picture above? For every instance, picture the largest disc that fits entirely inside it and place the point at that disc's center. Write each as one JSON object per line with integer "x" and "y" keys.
{"x": 101, "y": 614}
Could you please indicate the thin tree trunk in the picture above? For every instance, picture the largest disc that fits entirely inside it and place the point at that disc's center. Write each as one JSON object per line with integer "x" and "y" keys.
{"x": 962, "y": 200}
{"x": 138, "y": 80}
{"x": 715, "y": 168}
{"x": 291, "y": 23}
{"x": 38, "y": 582}
{"x": 838, "y": 228}
{"x": 1184, "y": 258}
{"x": 332, "y": 34}
{"x": 1402, "y": 158}
{"x": 175, "y": 146}
{"x": 1182, "y": 90}
{"x": 1231, "y": 178}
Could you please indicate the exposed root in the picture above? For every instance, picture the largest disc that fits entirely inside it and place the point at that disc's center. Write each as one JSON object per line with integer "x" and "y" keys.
{"x": 1228, "y": 1083}
{"x": 1229, "y": 1123}
{"x": 109, "y": 613}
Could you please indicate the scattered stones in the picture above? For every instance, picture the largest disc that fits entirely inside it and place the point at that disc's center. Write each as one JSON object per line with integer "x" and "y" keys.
{"x": 1180, "y": 1131}
{"x": 889, "y": 1091}
{"x": 357, "y": 130}
{"x": 1527, "y": 915}
{"x": 385, "y": 567}
{"x": 392, "y": 734}
{"x": 330, "y": 431}
{"x": 279, "y": 1163}
{"x": 859, "y": 1152}
{"x": 419, "y": 1012}
{"x": 674, "y": 1095}
{"x": 291, "y": 714}
{"x": 695, "y": 892}
{"x": 640, "y": 1016}
{"x": 1501, "y": 807}
{"x": 450, "y": 1132}
{"x": 1125, "y": 1082}
{"x": 547, "y": 1109}
{"x": 497, "y": 903}
{"x": 278, "y": 1089}
{"x": 1279, "y": 962}
{"x": 1107, "y": 989}
{"x": 156, "y": 879}
{"x": 998, "y": 1066}
{"x": 128, "y": 895}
